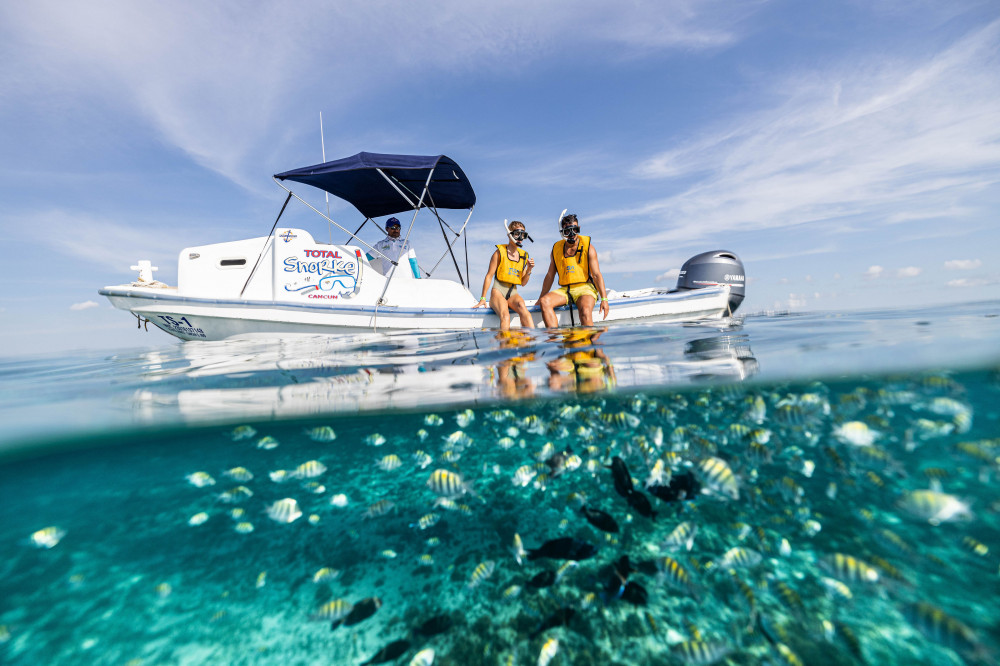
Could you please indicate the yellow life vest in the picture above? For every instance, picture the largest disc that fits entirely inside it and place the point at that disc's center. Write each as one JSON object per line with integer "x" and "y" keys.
{"x": 511, "y": 271}
{"x": 575, "y": 269}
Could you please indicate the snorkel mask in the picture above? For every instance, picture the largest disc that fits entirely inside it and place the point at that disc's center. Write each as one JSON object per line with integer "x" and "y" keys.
{"x": 523, "y": 233}
{"x": 571, "y": 230}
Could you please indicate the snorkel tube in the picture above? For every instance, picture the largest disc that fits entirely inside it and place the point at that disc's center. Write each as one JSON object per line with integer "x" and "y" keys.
{"x": 516, "y": 242}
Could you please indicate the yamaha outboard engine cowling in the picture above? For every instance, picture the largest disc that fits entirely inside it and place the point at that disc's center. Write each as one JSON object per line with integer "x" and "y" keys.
{"x": 713, "y": 268}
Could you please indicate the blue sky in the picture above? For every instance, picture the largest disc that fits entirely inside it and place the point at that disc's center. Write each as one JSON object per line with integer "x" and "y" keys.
{"x": 848, "y": 151}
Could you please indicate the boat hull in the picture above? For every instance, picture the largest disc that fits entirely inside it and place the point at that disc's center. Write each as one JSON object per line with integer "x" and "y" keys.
{"x": 215, "y": 319}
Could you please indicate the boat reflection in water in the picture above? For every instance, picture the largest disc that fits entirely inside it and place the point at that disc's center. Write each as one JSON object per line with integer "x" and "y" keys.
{"x": 308, "y": 375}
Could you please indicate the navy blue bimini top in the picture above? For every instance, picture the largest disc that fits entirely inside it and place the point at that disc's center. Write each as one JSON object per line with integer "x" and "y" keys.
{"x": 356, "y": 180}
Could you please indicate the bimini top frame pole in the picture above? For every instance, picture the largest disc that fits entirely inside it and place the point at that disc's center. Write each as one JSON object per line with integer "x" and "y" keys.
{"x": 328, "y": 219}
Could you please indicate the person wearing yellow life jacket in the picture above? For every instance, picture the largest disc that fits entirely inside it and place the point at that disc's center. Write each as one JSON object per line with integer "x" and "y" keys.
{"x": 574, "y": 260}
{"x": 510, "y": 267}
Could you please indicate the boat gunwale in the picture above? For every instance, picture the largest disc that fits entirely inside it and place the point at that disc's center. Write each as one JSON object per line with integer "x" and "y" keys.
{"x": 151, "y": 293}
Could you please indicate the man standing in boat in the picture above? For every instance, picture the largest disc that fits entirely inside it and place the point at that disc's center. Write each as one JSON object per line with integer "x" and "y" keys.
{"x": 393, "y": 247}
{"x": 574, "y": 259}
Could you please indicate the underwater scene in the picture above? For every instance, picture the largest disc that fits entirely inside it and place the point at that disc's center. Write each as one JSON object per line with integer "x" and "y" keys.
{"x": 741, "y": 515}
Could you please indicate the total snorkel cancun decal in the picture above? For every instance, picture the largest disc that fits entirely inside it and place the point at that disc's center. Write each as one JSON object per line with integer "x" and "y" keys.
{"x": 326, "y": 274}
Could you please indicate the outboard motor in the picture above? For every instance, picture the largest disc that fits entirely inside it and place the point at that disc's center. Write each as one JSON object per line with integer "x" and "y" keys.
{"x": 709, "y": 269}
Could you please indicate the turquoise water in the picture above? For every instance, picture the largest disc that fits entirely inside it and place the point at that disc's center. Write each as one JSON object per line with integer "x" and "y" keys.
{"x": 844, "y": 507}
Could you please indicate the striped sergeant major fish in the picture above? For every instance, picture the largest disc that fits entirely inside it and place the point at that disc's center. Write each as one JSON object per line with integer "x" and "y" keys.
{"x": 447, "y": 484}
{"x": 719, "y": 478}
{"x": 938, "y": 626}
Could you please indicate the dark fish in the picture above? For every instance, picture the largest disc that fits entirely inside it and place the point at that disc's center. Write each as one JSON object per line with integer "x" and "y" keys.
{"x": 557, "y": 463}
{"x": 561, "y": 618}
{"x": 544, "y": 579}
{"x": 390, "y": 652}
{"x": 599, "y": 519}
{"x": 640, "y": 503}
{"x": 362, "y": 610}
{"x": 566, "y": 548}
{"x": 623, "y": 567}
{"x": 648, "y": 567}
{"x": 682, "y": 487}
{"x": 434, "y": 626}
{"x": 634, "y": 594}
{"x": 623, "y": 480}
{"x": 617, "y": 579}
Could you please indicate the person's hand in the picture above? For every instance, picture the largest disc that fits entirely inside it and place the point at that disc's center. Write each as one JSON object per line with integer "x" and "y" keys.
{"x": 531, "y": 265}
{"x": 605, "y": 308}
{"x": 480, "y": 304}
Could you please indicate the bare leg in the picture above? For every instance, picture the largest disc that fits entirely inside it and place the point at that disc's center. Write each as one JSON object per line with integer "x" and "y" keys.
{"x": 499, "y": 305}
{"x": 585, "y": 306}
{"x": 548, "y": 303}
{"x": 517, "y": 304}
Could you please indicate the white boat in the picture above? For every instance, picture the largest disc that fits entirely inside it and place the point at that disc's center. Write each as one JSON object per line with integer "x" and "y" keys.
{"x": 289, "y": 283}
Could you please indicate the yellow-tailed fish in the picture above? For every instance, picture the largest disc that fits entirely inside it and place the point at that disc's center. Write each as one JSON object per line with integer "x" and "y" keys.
{"x": 242, "y": 432}
{"x": 482, "y": 571}
{"x": 446, "y": 484}
{"x": 856, "y": 433}
{"x": 518, "y": 548}
{"x": 309, "y": 469}
{"x": 682, "y": 536}
{"x": 423, "y": 658}
{"x": 524, "y": 475}
{"x": 325, "y": 575}
{"x": 321, "y": 434}
{"x": 427, "y": 521}
{"x": 235, "y": 495}
{"x": 267, "y": 443}
{"x": 284, "y": 510}
{"x": 334, "y": 611}
{"x": 700, "y": 653}
{"x": 389, "y": 463}
{"x": 241, "y": 474}
{"x": 374, "y": 439}
{"x": 719, "y": 478}
{"x": 935, "y": 507}
{"x": 200, "y": 479}
{"x": 47, "y": 537}
{"x": 379, "y": 508}
{"x": 548, "y": 652}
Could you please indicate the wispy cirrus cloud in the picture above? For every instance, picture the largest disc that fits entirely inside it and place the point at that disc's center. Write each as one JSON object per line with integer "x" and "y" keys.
{"x": 851, "y": 147}
{"x": 107, "y": 243}
{"x": 212, "y": 78}
{"x": 962, "y": 264}
{"x": 85, "y": 305}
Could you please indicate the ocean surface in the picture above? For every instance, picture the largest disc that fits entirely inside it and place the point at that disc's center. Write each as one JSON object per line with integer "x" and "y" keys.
{"x": 801, "y": 488}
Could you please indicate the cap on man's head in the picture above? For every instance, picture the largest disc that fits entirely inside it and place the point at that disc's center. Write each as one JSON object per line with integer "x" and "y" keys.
{"x": 392, "y": 222}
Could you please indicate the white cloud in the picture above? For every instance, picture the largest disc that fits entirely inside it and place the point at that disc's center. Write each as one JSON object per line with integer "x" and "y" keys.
{"x": 853, "y": 146}
{"x": 211, "y": 79}
{"x": 908, "y": 272}
{"x": 104, "y": 242}
{"x": 874, "y": 272}
{"x": 973, "y": 282}
{"x": 672, "y": 274}
{"x": 86, "y": 305}
{"x": 962, "y": 264}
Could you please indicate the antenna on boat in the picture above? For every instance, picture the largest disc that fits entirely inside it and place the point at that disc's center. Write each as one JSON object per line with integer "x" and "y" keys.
{"x": 322, "y": 145}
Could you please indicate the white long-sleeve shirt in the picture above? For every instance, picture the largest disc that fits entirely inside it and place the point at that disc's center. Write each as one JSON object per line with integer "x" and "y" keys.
{"x": 394, "y": 249}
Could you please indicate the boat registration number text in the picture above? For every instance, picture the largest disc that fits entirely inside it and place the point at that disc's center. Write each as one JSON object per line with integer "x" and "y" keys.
{"x": 180, "y": 325}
